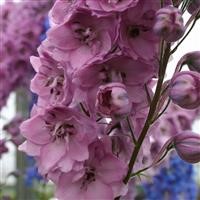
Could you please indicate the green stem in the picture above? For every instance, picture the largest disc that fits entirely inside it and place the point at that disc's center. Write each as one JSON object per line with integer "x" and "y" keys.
{"x": 146, "y": 168}
{"x": 168, "y": 102}
{"x": 165, "y": 90}
{"x": 131, "y": 130}
{"x": 185, "y": 5}
{"x": 161, "y": 50}
{"x": 84, "y": 110}
{"x": 161, "y": 3}
{"x": 151, "y": 113}
{"x": 147, "y": 93}
{"x": 139, "y": 171}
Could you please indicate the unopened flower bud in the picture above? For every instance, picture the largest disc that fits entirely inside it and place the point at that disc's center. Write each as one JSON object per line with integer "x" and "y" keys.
{"x": 187, "y": 145}
{"x": 185, "y": 89}
{"x": 113, "y": 100}
{"x": 193, "y": 6}
{"x": 192, "y": 59}
{"x": 169, "y": 24}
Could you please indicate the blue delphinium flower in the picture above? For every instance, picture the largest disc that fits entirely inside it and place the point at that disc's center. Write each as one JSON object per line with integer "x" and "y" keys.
{"x": 174, "y": 182}
{"x": 31, "y": 175}
{"x": 46, "y": 26}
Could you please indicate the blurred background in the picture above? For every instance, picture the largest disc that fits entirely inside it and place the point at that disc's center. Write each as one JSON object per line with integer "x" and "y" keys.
{"x": 23, "y": 25}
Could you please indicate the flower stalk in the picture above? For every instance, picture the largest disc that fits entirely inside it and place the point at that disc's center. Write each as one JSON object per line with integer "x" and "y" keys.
{"x": 151, "y": 113}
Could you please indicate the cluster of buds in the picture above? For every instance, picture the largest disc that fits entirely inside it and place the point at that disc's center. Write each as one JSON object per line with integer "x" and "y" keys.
{"x": 185, "y": 92}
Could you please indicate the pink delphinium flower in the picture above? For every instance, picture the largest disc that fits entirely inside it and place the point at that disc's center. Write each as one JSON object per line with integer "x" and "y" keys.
{"x": 58, "y": 134}
{"x": 117, "y": 69}
{"x": 100, "y": 178}
{"x": 122, "y": 69}
{"x": 52, "y": 82}
{"x": 84, "y": 38}
{"x": 136, "y": 35}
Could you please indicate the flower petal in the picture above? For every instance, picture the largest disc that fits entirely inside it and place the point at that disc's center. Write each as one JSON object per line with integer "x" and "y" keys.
{"x": 30, "y": 148}
{"x": 34, "y": 130}
{"x": 111, "y": 170}
{"x": 66, "y": 164}
{"x": 78, "y": 151}
{"x": 99, "y": 191}
{"x": 50, "y": 155}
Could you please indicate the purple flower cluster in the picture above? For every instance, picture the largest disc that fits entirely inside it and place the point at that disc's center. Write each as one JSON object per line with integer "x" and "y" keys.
{"x": 20, "y": 28}
{"x": 94, "y": 79}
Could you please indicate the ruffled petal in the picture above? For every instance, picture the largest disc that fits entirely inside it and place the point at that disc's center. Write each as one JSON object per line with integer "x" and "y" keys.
{"x": 34, "y": 130}
{"x": 50, "y": 155}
